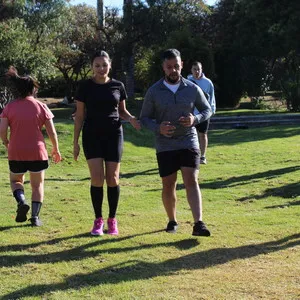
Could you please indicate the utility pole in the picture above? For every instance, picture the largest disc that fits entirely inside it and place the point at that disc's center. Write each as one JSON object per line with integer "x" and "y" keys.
{"x": 129, "y": 57}
{"x": 100, "y": 13}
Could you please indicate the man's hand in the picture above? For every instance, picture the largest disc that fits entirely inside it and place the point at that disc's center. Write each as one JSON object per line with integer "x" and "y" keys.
{"x": 167, "y": 129}
{"x": 187, "y": 121}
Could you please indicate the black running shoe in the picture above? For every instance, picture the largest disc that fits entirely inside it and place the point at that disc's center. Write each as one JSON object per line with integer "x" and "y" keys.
{"x": 172, "y": 227}
{"x": 22, "y": 211}
{"x": 200, "y": 229}
{"x": 35, "y": 221}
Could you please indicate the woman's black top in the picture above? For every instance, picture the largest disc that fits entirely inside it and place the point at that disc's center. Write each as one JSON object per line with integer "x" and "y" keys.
{"x": 101, "y": 102}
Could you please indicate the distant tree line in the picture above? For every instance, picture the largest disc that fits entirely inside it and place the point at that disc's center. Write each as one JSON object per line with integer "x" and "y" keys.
{"x": 246, "y": 46}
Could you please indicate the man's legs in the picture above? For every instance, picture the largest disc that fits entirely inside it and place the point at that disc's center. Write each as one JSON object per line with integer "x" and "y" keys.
{"x": 169, "y": 200}
{"x": 203, "y": 141}
{"x": 202, "y": 130}
{"x": 193, "y": 193}
{"x": 169, "y": 195}
{"x": 190, "y": 179}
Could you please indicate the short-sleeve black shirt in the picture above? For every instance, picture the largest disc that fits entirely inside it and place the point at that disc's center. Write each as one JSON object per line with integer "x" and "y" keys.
{"x": 101, "y": 102}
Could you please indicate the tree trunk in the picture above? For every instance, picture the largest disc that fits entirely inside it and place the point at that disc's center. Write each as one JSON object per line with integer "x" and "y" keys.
{"x": 129, "y": 55}
{"x": 100, "y": 13}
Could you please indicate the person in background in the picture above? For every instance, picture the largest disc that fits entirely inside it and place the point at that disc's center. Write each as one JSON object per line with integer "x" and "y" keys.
{"x": 168, "y": 111}
{"x": 25, "y": 117}
{"x": 100, "y": 103}
{"x": 207, "y": 86}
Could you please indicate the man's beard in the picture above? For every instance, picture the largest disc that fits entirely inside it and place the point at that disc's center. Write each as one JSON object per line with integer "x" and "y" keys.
{"x": 172, "y": 79}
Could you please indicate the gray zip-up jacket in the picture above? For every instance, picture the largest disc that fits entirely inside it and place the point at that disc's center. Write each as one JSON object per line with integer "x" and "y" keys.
{"x": 161, "y": 104}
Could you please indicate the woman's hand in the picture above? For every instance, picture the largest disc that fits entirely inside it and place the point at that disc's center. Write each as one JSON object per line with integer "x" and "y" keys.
{"x": 5, "y": 143}
{"x": 135, "y": 123}
{"x": 76, "y": 151}
{"x": 56, "y": 156}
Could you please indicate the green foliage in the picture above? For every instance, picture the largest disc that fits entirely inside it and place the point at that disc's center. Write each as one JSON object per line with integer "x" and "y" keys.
{"x": 259, "y": 103}
{"x": 242, "y": 44}
{"x": 142, "y": 67}
{"x": 148, "y": 61}
{"x": 290, "y": 80}
{"x": 254, "y": 37}
{"x": 28, "y": 46}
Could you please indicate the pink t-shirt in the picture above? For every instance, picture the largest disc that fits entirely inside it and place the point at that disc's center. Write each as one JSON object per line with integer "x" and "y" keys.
{"x": 26, "y": 118}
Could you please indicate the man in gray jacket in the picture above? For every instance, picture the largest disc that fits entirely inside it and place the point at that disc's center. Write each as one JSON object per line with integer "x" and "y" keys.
{"x": 168, "y": 111}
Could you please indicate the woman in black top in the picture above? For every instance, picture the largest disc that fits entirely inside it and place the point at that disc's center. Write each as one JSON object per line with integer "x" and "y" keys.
{"x": 100, "y": 103}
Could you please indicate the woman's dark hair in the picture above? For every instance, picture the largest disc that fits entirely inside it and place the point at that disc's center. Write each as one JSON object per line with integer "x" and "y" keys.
{"x": 23, "y": 85}
{"x": 102, "y": 53}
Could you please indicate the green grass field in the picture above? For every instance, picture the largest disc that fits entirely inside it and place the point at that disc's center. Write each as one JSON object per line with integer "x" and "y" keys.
{"x": 251, "y": 199}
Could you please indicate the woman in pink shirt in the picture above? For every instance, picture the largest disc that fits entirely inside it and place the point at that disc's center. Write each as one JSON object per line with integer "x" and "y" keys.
{"x": 25, "y": 116}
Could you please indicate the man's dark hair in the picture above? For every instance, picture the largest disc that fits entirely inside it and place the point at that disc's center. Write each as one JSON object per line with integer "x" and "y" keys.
{"x": 196, "y": 62}
{"x": 170, "y": 53}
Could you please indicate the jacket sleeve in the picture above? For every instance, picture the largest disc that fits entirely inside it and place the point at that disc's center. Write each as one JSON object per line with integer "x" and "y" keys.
{"x": 212, "y": 98}
{"x": 147, "y": 114}
{"x": 203, "y": 107}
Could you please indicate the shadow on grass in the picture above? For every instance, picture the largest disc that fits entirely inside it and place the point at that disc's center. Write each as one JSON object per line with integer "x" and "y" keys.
{"x": 140, "y": 270}
{"x": 13, "y": 227}
{"x": 146, "y": 138}
{"x": 291, "y": 190}
{"x": 67, "y": 179}
{"x": 246, "y": 179}
{"x": 81, "y": 252}
{"x": 288, "y": 191}
{"x": 291, "y": 203}
{"x": 236, "y": 136}
{"x": 133, "y": 174}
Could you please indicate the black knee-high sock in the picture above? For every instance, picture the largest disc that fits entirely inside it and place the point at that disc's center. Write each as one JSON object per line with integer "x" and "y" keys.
{"x": 19, "y": 196}
{"x": 113, "y": 194}
{"x": 35, "y": 208}
{"x": 97, "y": 200}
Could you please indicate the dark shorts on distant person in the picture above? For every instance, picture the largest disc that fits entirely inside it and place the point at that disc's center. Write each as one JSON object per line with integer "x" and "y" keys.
{"x": 21, "y": 166}
{"x": 108, "y": 146}
{"x": 203, "y": 127}
{"x": 170, "y": 162}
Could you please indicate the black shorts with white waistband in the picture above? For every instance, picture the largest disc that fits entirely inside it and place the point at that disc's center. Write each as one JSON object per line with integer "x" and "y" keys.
{"x": 22, "y": 166}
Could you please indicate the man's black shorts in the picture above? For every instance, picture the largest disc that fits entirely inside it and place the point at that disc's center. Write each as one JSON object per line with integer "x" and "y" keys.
{"x": 170, "y": 162}
{"x": 21, "y": 166}
{"x": 203, "y": 127}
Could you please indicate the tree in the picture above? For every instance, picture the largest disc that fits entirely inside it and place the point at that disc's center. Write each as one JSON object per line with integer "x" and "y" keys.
{"x": 151, "y": 26}
{"x": 251, "y": 37}
{"x": 27, "y": 46}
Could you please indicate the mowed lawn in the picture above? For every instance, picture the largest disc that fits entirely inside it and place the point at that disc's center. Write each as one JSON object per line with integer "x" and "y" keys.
{"x": 251, "y": 204}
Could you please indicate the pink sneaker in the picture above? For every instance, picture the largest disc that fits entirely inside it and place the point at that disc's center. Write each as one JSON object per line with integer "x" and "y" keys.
{"x": 98, "y": 227}
{"x": 112, "y": 226}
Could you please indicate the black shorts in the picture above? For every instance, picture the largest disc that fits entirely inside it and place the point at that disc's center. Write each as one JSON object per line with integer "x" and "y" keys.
{"x": 108, "y": 146}
{"x": 170, "y": 162}
{"x": 21, "y": 166}
{"x": 203, "y": 127}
